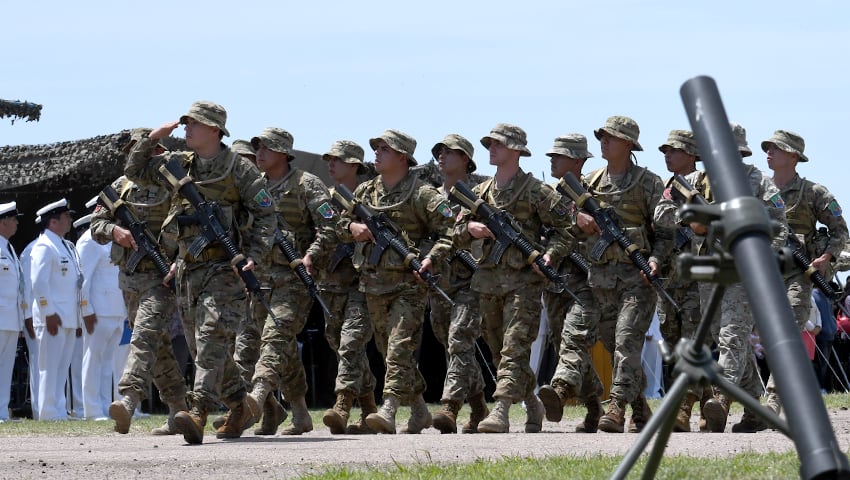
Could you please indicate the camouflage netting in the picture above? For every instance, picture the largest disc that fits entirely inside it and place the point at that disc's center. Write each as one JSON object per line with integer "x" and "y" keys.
{"x": 17, "y": 109}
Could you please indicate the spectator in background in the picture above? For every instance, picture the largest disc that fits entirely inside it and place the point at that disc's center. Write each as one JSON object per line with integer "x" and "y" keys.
{"x": 825, "y": 338}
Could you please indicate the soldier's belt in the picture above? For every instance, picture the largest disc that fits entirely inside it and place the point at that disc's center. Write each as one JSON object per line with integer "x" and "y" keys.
{"x": 213, "y": 253}
{"x": 146, "y": 265}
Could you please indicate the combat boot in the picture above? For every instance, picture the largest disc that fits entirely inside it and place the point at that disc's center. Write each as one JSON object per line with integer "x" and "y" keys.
{"x": 420, "y": 417}
{"x": 445, "y": 419}
{"x": 534, "y": 412}
{"x": 169, "y": 427}
{"x": 122, "y": 411}
{"x": 497, "y": 421}
{"x": 273, "y": 415}
{"x": 641, "y": 413}
{"x": 707, "y": 394}
{"x": 591, "y": 418}
{"x": 367, "y": 407}
{"x": 219, "y": 420}
{"x": 301, "y": 421}
{"x": 478, "y": 404}
{"x": 773, "y": 403}
{"x": 683, "y": 417}
{"x": 615, "y": 417}
{"x": 750, "y": 423}
{"x": 191, "y": 424}
{"x": 336, "y": 417}
{"x": 242, "y": 415}
{"x": 383, "y": 421}
{"x": 716, "y": 412}
{"x": 554, "y": 397}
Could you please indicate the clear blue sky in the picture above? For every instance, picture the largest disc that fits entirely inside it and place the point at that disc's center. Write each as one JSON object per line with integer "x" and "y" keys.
{"x": 332, "y": 70}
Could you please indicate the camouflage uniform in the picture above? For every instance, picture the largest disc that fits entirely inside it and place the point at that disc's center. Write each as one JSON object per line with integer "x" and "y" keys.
{"x": 806, "y": 204}
{"x": 150, "y": 305}
{"x": 215, "y": 296}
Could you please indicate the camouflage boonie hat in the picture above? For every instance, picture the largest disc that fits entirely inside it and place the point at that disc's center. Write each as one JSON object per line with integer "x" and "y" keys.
{"x": 787, "y": 141}
{"x": 348, "y": 152}
{"x": 244, "y": 148}
{"x": 740, "y": 134}
{"x": 208, "y": 113}
{"x": 276, "y": 140}
{"x": 511, "y": 136}
{"x": 398, "y": 141}
{"x": 454, "y": 141}
{"x": 683, "y": 140}
{"x": 573, "y": 145}
{"x": 621, "y": 127}
{"x": 137, "y": 134}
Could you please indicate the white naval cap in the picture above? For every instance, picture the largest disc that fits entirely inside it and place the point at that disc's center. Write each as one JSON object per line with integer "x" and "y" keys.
{"x": 82, "y": 221}
{"x": 58, "y": 206}
{"x": 38, "y": 219}
{"x": 91, "y": 203}
{"x": 9, "y": 210}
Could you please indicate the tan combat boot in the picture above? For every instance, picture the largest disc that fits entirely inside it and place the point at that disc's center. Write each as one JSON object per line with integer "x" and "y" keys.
{"x": 383, "y": 421}
{"x": 641, "y": 413}
{"x": 716, "y": 412}
{"x": 273, "y": 412}
{"x": 367, "y": 407}
{"x": 591, "y": 418}
{"x": 615, "y": 417}
{"x": 169, "y": 427}
{"x": 554, "y": 397}
{"x": 301, "y": 421}
{"x": 191, "y": 424}
{"x": 750, "y": 423}
{"x": 497, "y": 421}
{"x": 420, "y": 417}
{"x": 336, "y": 417}
{"x": 219, "y": 420}
{"x": 683, "y": 417}
{"x": 242, "y": 415}
{"x": 478, "y": 404}
{"x": 707, "y": 394}
{"x": 122, "y": 411}
{"x": 445, "y": 419}
{"x": 534, "y": 412}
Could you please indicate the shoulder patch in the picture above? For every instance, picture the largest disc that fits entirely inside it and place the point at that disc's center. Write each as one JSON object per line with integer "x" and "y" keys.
{"x": 560, "y": 208}
{"x": 325, "y": 210}
{"x": 263, "y": 198}
{"x": 777, "y": 201}
{"x": 667, "y": 195}
{"x": 834, "y": 208}
{"x": 445, "y": 210}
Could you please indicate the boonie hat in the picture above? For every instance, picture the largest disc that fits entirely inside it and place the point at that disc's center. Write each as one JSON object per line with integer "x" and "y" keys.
{"x": 208, "y": 113}
{"x": 683, "y": 140}
{"x": 787, "y": 141}
{"x": 454, "y": 141}
{"x": 621, "y": 127}
{"x": 573, "y": 145}
{"x": 276, "y": 140}
{"x": 510, "y": 136}
{"x": 244, "y": 148}
{"x": 398, "y": 141}
{"x": 740, "y": 134}
{"x": 348, "y": 152}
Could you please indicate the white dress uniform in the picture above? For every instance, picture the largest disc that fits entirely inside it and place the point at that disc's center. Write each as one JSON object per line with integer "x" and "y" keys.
{"x": 101, "y": 297}
{"x": 32, "y": 342}
{"x": 56, "y": 284}
{"x": 74, "y": 385}
{"x": 13, "y": 307}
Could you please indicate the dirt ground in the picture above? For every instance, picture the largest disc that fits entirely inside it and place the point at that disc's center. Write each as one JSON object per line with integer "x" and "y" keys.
{"x": 137, "y": 455}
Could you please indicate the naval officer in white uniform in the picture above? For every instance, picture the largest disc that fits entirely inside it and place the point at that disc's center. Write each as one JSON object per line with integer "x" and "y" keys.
{"x": 13, "y": 304}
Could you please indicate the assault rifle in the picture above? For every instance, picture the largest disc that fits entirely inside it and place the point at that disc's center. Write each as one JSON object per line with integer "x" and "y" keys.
{"x": 291, "y": 254}
{"x": 145, "y": 241}
{"x": 466, "y": 259}
{"x": 507, "y": 232}
{"x": 387, "y": 234}
{"x": 207, "y": 215}
{"x": 684, "y": 193}
{"x": 802, "y": 260}
{"x": 341, "y": 252}
{"x": 608, "y": 222}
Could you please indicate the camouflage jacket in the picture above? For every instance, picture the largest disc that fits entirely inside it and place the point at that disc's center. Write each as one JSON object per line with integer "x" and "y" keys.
{"x": 806, "y": 204}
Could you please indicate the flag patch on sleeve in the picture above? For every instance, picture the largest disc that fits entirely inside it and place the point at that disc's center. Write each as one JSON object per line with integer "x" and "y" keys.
{"x": 263, "y": 198}
{"x": 445, "y": 210}
{"x": 777, "y": 201}
{"x": 834, "y": 208}
{"x": 325, "y": 210}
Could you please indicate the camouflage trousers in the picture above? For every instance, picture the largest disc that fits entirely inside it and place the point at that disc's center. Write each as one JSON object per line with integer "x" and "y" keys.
{"x": 397, "y": 318}
{"x": 732, "y": 330}
{"x": 683, "y": 324}
{"x": 624, "y": 309}
{"x": 457, "y": 329}
{"x": 249, "y": 337}
{"x": 511, "y": 321}
{"x": 557, "y": 305}
{"x": 279, "y": 363}
{"x": 578, "y": 336}
{"x": 800, "y": 297}
{"x": 216, "y": 301}
{"x": 151, "y": 356}
{"x": 347, "y": 334}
